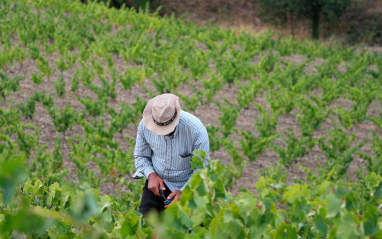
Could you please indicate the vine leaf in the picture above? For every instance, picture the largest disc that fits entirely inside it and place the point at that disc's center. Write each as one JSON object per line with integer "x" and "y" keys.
{"x": 333, "y": 206}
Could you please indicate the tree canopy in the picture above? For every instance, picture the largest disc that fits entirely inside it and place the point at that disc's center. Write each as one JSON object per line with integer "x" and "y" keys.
{"x": 282, "y": 11}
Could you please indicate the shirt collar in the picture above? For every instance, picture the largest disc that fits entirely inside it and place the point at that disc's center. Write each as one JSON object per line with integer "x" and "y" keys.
{"x": 176, "y": 130}
{"x": 175, "y": 133}
{"x": 179, "y": 124}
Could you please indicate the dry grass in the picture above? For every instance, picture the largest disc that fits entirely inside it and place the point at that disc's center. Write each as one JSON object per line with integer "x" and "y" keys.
{"x": 302, "y": 31}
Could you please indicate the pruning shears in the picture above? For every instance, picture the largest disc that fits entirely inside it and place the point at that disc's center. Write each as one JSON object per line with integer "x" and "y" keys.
{"x": 166, "y": 201}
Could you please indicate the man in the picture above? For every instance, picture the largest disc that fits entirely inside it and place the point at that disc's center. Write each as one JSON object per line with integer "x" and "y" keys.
{"x": 166, "y": 138}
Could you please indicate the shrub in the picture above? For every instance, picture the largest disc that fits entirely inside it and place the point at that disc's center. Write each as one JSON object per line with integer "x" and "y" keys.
{"x": 365, "y": 27}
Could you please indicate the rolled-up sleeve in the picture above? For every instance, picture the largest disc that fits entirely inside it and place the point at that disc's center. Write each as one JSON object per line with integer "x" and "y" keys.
{"x": 143, "y": 153}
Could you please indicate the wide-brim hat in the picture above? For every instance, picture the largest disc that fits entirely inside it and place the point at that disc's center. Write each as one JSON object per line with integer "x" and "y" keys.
{"x": 161, "y": 114}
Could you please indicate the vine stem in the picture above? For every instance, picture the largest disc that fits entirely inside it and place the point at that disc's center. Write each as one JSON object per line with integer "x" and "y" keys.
{"x": 112, "y": 211}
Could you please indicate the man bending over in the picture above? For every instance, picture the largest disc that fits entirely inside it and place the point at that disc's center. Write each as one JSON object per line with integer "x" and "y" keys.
{"x": 166, "y": 138}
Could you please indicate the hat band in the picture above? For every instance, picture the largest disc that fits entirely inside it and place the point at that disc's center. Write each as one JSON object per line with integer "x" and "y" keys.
{"x": 167, "y": 122}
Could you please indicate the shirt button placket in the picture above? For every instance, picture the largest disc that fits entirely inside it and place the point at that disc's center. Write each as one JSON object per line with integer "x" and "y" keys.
{"x": 168, "y": 149}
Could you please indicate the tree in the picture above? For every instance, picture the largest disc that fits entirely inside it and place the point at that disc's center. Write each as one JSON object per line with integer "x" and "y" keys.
{"x": 329, "y": 9}
{"x": 282, "y": 11}
{"x": 119, "y": 3}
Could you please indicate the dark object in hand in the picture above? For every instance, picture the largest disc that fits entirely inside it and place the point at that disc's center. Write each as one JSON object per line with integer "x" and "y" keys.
{"x": 168, "y": 201}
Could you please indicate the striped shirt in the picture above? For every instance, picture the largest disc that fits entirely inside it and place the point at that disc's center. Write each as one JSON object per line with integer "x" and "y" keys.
{"x": 170, "y": 156}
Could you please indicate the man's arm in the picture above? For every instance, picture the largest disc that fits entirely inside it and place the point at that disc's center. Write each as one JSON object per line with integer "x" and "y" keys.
{"x": 201, "y": 143}
{"x": 143, "y": 162}
{"x": 143, "y": 153}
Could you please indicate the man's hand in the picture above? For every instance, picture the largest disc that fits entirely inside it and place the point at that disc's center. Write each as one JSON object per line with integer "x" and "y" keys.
{"x": 176, "y": 195}
{"x": 154, "y": 183}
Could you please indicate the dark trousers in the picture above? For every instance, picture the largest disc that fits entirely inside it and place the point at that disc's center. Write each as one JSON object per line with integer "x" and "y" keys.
{"x": 150, "y": 201}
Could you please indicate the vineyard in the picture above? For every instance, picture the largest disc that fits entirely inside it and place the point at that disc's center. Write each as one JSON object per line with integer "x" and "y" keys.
{"x": 295, "y": 128}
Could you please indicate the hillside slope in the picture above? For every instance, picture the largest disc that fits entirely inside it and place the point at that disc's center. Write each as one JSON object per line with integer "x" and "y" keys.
{"x": 75, "y": 79}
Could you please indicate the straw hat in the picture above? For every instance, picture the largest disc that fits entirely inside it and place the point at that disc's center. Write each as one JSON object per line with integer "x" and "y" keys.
{"x": 162, "y": 113}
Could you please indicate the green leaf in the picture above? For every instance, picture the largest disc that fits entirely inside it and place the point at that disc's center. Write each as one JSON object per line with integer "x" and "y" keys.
{"x": 280, "y": 218}
{"x": 85, "y": 207}
{"x": 234, "y": 228}
{"x": 195, "y": 180}
{"x": 52, "y": 193}
{"x": 257, "y": 232}
{"x": 199, "y": 201}
{"x": 351, "y": 201}
{"x": 286, "y": 231}
{"x": 333, "y": 206}
{"x": 187, "y": 198}
{"x": 268, "y": 202}
{"x": 347, "y": 228}
{"x": 196, "y": 162}
{"x": 198, "y": 215}
{"x": 319, "y": 222}
{"x": 11, "y": 174}
{"x": 185, "y": 219}
{"x": 292, "y": 193}
{"x": 130, "y": 225}
{"x": 202, "y": 189}
{"x": 29, "y": 222}
{"x": 202, "y": 154}
{"x": 220, "y": 191}
{"x": 370, "y": 221}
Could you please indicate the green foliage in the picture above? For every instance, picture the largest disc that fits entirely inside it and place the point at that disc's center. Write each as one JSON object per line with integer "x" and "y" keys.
{"x": 313, "y": 115}
{"x": 43, "y": 66}
{"x": 47, "y": 101}
{"x": 93, "y": 107}
{"x": 228, "y": 118}
{"x": 365, "y": 27}
{"x": 27, "y": 109}
{"x": 26, "y": 141}
{"x": 374, "y": 164}
{"x": 215, "y": 140}
{"x": 266, "y": 124}
{"x": 64, "y": 119}
{"x": 190, "y": 103}
{"x": 288, "y": 10}
{"x": 8, "y": 85}
{"x": 295, "y": 148}
{"x": 59, "y": 85}
{"x": 280, "y": 12}
{"x": 37, "y": 79}
{"x": 237, "y": 163}
{"x": 61, "y": 64}
{"x": 75, "y": 84}
{"x": 108, "y": 55}
{"x": 12, "y": 173}
{"x": 121, "y": 119}
{"x": 49, "y": 167}
{"x": 132, "y": 76}
{"x": 339, "y": 153}
{"x": 253, "y": 146}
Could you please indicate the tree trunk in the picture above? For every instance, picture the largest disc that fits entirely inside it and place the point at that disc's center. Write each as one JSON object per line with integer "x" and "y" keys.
{"x": 315, "y": 22}
{"x": 291, "y": 20}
